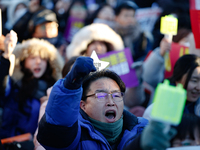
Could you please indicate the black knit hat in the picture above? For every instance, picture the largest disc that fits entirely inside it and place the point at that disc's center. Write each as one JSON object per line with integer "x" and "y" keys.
{"x": 42, "y": 16}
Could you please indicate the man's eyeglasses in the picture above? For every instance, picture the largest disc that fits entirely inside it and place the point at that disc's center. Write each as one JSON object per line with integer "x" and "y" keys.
{"x": 102, "y": 96}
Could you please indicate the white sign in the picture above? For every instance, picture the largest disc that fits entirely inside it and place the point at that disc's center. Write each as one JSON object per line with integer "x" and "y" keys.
{"x": 100, "y": 65}
{"x": 147, "y": 17}
{"x": 197, "y": 4}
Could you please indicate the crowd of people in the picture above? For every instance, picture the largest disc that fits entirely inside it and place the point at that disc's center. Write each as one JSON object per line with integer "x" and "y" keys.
{"x": 50, "y": 87}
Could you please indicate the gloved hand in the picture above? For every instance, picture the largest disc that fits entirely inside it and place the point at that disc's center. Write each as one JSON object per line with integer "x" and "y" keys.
{"x": 154, "y": 138}
{"x": 81, "y": 68}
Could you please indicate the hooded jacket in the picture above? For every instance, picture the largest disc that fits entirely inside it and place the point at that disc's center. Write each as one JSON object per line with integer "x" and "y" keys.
{"x": 13, "y": 16}
{"x": 37, "y": 47}
{"x": 14, "y": 122}
{"x": 95, "y": 31}
{"x": 71, "y": 128}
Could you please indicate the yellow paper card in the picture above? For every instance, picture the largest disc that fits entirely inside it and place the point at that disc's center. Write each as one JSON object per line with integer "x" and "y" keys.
{"x": 169, "y": 25}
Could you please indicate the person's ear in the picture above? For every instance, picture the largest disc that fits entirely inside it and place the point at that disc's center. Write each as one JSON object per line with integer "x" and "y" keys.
{"x": 82, "y": 105}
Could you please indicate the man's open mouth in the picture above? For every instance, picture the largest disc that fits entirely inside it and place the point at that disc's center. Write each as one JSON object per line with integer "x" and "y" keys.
{"x": 110, "y": 114}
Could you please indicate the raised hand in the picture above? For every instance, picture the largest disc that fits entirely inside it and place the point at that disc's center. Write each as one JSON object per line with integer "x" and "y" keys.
{"x": 81, "y": 68}
{"x": 165, "y": 46}
{"x": 155, "y": 137}
{"x": 9, "y": 44}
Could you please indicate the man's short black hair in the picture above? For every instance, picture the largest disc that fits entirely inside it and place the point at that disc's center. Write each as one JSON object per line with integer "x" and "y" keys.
{"x": 125, "y": 5}
{"x": 101, "y": 74}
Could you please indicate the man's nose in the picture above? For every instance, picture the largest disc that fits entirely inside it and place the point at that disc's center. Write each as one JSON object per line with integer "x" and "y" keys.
{"x": 110, "y": 101}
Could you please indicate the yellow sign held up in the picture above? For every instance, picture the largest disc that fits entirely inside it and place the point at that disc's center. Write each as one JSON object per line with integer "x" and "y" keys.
{"x": 169, "y": 25}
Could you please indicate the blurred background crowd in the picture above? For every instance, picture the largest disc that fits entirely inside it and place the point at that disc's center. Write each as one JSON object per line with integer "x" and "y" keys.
{"x": 59, "y": 20}
{"x": 72, "y": 28}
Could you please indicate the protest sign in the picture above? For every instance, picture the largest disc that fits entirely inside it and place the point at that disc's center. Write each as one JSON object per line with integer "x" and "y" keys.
{"x": 168, "y": 26}
{"x": 168, "y": 103}
{"x": 100, "y": 65}
{"x": 147, "y": 17}
{"x": 120, "y": 62}
{"x": 175, "y": 53}
{"x": 195, "y": 20}
{"x": 73, "y": 26}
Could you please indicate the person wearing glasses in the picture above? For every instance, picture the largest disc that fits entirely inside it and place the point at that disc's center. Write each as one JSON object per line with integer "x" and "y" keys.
{"x": 85, "y": 111}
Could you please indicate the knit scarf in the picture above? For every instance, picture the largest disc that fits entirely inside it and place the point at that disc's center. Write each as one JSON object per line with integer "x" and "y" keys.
{"x": 111, "y": 131}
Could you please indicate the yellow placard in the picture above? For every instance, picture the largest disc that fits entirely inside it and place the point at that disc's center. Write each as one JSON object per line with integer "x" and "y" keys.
{"x": 169, "y": 25}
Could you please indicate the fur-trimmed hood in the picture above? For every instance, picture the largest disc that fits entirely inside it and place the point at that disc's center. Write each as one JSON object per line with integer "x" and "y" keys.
{"x": 37, "y": 47}
{"x": 87, "y": 34}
